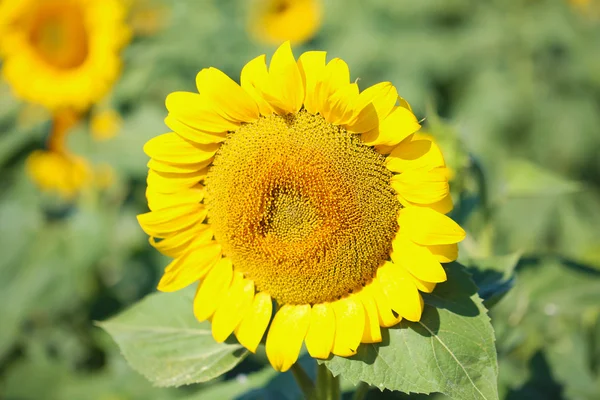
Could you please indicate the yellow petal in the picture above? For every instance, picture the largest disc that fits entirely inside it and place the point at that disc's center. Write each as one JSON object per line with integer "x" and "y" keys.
{"x": 338, "y": 109}
{"x": 285, "y": 82}
{"x": 198, "y": 112}
{"x": 396, "y": 127}
{"x": 404, "y": 103}
{"x": 176, "y": 244}
{"x": 386, "y": 316}
{"x": 383, "y": 149}
{"x": 193, "y": 134}
{"x": 226, "y": 95}
{"x": 382, "y": 95}
{"x": 254, "y": 80}
{"x": 373, "y": 106}
{"x": 417, "y": 260}
{"x": 162, "y": 166}
{"x": 321, "y": 331}
{"x": 172, "y": 148}
{"x": 401, "y": 291}
{"x": 158, "y": 200}
{"x": 232, "y": 308}
{"x": 190, "y": 267}
{"x": 444, "y": 253}
{"x": 164, "y": 221}
{"x": 167, "y": 182}
{"x": 423, "y": 286}
{"x": 252, "y": 328}
{"x": 423, "y": 187}
{"x": 349, "y": 325}
{"x": 286, "y": 334}
{"x": 426, "y": 226}
{"x": 372, "y": 331}
{"x": 415, "y": 154}
{"x": 335, "y": 76}
{"x": 443, "y": 206}
{"x": 212, "y": 289}
{"x": 311, "y": 65}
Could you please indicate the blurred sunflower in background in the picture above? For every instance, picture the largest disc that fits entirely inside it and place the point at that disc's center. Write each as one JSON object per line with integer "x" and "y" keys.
{"x": 62, "y": 53}
{"x": 275, "y": 21}
{"x": 56, "y": 169}
{"x": 580, "y": 3}
{"x": 590, "y": 9}
{"x": 297, "y": 189}
{"x": 147, "y": 17}
{"x": 62, "y": 173}
{"x": 65, "y": 56}
{"x": 105, "y": 124}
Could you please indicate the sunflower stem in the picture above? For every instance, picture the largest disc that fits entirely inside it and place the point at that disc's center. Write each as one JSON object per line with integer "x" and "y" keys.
{"x": 303, "y": 380}
{"x": 361, "y": 391}
{"x": 328, "y": 386}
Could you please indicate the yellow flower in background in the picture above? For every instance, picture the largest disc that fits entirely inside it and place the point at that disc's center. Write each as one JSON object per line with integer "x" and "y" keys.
{"x": 56, "y": 170}
{"x": 275, "y": 21}
{"x": 147, "y": 17}
{"x": 580, "y": 3}
{"x": 105, "y": 124}
{"x": 104, "y": 176}
{"x": 61, "y": 173}
{"x": 272, "y": 195}
{"x": 62, "y": 53}
{"x": 589, "y": 8}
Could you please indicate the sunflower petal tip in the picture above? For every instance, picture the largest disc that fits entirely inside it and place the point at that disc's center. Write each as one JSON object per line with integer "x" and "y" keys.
{"x": 163, "y": 286}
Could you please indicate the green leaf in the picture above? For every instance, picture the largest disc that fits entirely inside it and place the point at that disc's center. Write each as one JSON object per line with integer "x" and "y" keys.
{"x": 569, "y": 359}
{"x": 161, "y": 339}
{"x": 550, "y": 313}
{"x": 525, "y": 179}
{"x": 451, "y": 350}
{"x": 250, "y": 385}
{"x": 494, "y": 276}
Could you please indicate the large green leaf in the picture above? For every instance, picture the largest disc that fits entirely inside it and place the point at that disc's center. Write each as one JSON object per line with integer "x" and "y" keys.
{"x": 451, "y": 350}
{"x": 160, "y": 338}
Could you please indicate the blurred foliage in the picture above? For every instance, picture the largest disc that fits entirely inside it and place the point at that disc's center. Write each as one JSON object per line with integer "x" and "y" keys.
{"x": 510, "y": 89}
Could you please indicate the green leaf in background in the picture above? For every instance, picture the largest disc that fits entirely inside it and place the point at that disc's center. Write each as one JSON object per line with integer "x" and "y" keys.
{"x": 494, "y": 276}
{"x": 569, "y": 357}
{"x": 451, "y": 350}
{"x": 161, "y": 339}
{"x": 551, "y": 313}
{"x": 246, "y": 387}
{"x": 524, "y": 179}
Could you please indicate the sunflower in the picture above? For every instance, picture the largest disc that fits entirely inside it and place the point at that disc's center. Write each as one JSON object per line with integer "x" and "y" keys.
{"x": 273, "y": 21}
{"x": 61, "y": 53}
{"x": 61, "y": 173}
{"x": 105, "y": 124}
{"x": 580, "y": 3}
{"x": 450, "y": 172}
{"x": 296, "y": 195}
{"x": 55, "y": 169}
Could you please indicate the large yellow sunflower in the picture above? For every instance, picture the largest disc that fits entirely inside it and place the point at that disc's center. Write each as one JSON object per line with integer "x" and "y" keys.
{"x": 61, "y": 53}
{"x": 296, "y": 195}
{"x": 274, "y": 21}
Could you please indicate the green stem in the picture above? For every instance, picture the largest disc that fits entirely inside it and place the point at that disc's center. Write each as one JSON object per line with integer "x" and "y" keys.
{"x": 328, "y": 386}
{"x": 304, "y": 382}
{"x": 361, "y": 391}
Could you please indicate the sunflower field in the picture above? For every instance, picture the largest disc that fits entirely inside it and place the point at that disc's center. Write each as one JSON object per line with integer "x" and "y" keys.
{"x": 289, "y": 199}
